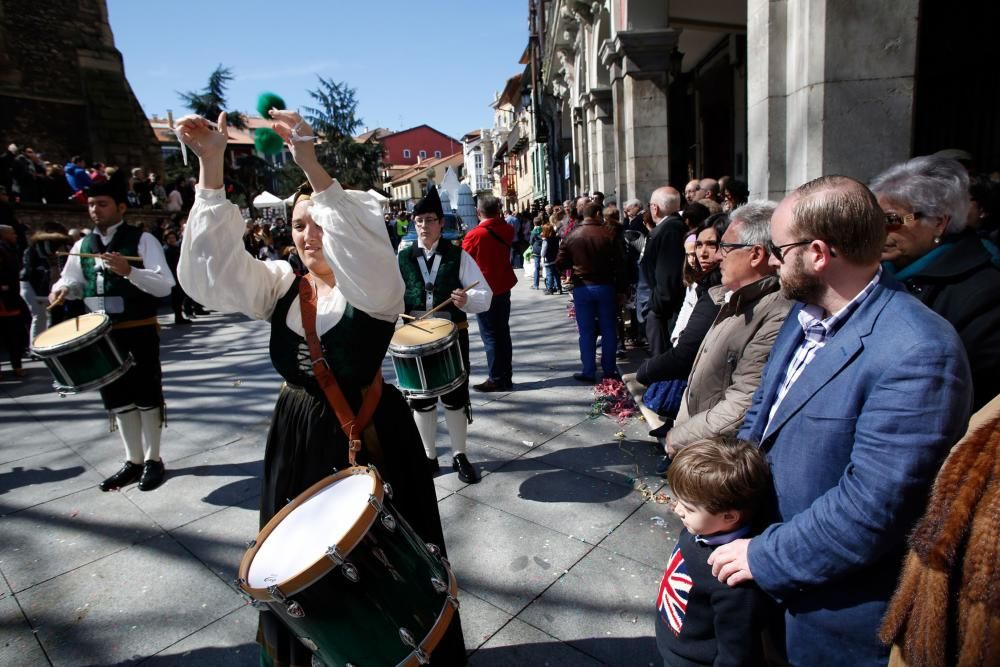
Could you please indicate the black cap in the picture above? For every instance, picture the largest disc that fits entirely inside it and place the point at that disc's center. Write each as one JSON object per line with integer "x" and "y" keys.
{"x": 115, "y": 187}
{"x": 431, "y": 203}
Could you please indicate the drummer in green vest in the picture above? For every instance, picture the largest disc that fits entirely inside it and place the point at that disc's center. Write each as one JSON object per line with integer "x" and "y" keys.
{"x": 128, "y": 292}
{"x": 435, "y": 270}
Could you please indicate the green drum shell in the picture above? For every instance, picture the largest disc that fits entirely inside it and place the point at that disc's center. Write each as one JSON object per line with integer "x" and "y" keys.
{"x": 87, "y": 362}
{"x": 358, "y": 623}
{"x": 427, "y": 371}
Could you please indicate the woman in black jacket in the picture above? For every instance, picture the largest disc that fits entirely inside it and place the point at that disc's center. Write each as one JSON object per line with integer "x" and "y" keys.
{"x": 949, "y": 268}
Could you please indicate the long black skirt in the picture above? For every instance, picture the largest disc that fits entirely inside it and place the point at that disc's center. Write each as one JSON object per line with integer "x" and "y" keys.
{"x": 304, "y": 445}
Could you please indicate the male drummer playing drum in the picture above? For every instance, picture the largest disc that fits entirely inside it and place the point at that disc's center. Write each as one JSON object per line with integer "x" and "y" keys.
{"x": 128, "y": 292}
{"x": 435, "y": 270}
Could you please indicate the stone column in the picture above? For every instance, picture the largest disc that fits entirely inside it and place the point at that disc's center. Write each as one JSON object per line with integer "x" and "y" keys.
{"x": 816, "y": 108}
{"x": 603, "y": 148}
{"x": 637, "y": 63}
{"x": 580, "y": 152}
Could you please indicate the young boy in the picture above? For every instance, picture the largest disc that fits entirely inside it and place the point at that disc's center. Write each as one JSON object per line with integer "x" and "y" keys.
{"x": 719, "y": 485}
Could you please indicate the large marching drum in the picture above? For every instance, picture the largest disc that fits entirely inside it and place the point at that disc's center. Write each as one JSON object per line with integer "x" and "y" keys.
{"x": 349, "y": 576}
{"x": 81, "y": 354}
{"x": 427, "y": 358}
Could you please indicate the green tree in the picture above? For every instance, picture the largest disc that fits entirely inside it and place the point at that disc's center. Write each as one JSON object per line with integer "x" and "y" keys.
{"x": 211, "y": 101}
{"x": 335, "y": 120}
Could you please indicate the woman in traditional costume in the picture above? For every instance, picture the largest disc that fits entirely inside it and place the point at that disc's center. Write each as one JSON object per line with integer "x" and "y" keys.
{"x": 349, "y": 301}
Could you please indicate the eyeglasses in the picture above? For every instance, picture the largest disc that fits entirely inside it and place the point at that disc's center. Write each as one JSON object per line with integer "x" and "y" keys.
{"x": 779, "y": 250}
{"x": 424, "y": 221}
{"x": 726, "y": 248}
{"x": 894, "y": 221}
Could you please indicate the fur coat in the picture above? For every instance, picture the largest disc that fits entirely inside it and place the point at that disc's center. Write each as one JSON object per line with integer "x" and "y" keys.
{"x": 946, "y": 609}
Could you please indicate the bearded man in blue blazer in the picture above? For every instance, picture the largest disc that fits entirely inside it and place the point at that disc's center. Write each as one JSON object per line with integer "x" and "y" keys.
{"x": 864, "y": 393}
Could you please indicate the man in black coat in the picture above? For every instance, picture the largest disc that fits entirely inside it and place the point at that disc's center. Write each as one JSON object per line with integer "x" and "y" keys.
{"x": 662, "y": 264}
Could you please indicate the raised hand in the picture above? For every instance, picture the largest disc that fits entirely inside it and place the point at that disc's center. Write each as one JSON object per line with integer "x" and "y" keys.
{"x": 207, "y": 139}
{"x": 296, "y": 132}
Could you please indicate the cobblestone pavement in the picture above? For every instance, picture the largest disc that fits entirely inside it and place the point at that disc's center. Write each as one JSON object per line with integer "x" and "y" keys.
{"x": 557, "y": 555}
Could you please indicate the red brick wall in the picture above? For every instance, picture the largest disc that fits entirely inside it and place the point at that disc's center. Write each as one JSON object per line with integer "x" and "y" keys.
{"x": 417, "y": 139}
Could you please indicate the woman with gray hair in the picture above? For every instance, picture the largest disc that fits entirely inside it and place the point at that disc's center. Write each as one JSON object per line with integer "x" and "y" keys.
{"x": 950, "y": 269}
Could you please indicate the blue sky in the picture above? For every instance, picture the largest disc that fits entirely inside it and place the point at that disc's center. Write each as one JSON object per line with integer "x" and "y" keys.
{"x": 436, "y": 62}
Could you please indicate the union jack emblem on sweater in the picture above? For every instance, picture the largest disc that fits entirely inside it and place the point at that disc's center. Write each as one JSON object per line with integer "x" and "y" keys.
{"x": 674, "y": 589}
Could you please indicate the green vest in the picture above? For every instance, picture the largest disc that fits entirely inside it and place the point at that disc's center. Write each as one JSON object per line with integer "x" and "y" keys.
{"x": 139, "y": 305}
{"x": 446, "y": 282}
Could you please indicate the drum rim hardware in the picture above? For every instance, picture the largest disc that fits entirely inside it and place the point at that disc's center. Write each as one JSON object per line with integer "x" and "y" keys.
{"x": 335, "y": 555}
{"x": 51, "y": 354}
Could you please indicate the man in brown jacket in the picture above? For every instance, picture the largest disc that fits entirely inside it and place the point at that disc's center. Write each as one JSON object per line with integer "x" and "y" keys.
{"x": 731, "y": 358}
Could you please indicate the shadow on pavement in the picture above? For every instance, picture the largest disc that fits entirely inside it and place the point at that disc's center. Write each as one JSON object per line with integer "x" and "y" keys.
{"x": 19, "y": 476}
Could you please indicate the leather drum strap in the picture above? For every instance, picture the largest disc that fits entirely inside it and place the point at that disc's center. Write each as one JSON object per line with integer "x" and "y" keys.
{"x": 352, "y": 425}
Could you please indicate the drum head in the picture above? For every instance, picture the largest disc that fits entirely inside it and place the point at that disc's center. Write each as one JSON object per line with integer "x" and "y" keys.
{"x": 70, "y": 330}
{"x": 424, "y": 332}
{"x": 302, "y": 538}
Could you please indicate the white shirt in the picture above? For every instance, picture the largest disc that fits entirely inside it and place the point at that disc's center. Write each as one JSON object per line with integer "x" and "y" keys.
{"x": 154, "y": 279}
{"x": 216, "y": 270}
{"x": 479, "y": 297}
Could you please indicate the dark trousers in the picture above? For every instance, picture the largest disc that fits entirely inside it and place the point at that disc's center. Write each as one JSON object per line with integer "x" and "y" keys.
{"x": 657, "y": 334}
{"x": 142, "y": 385}
{"x": 13, "y": 338}
{"x": 494, "y": 329}
{"x": 595, "y": 304}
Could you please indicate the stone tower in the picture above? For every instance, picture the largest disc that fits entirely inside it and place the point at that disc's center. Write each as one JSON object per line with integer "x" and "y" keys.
{"x": 63, "y": 89}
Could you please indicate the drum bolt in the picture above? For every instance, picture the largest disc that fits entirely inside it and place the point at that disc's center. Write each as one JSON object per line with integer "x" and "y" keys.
{"x": 438, "y": 585}
{"x": 251, "y": 544}
{"x": 406, "y": 637}
{"x": 389, "y": 522}
{"x": 295, "y": 610}
{"x": 387, "y": 489}
{"x": 433, "y": 548}
{"x": 333, "y": 553}
{"x": 453, "y": 601}
{"x": 350, "y": 572}
{"x": 375, "y": 502}
{"x": 276, "y": 593}
{"x": 421, "y": 657}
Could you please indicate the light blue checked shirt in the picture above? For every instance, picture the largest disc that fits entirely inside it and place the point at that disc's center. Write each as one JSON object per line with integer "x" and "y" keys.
{"x": 817, "y": 331}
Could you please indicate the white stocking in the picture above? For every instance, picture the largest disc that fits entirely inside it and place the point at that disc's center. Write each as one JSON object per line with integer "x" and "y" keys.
{"x": 152, "y": 426}
{"x": 130, "y": 428}
{"x": 427, "y": 425}
{"x": 458, "y": 426}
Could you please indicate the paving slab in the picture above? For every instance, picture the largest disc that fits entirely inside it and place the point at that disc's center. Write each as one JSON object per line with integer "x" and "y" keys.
{"x": 500, "y": 558}
{"x": 648, "y": 536}
{"x": 126, "y": 606}
{"x": 228, "y": 642}
{"x": 25, "y": 436}
{"x": 40, "y": 478}
{"x": 484, "y": 458}
{"x": 50, "y": 539}
{"x": 521, "y": 644}
{"x": 577, "y": 505}
{"x": 220, "y": 540}
{"x": 594, "y": 448}
{"x": 480, "y": 619}
{"x": 18, "y": 645}
{"x": 4, "y": 587}
{"x": 198, "y": 486}
{"x": 604, "y": 606}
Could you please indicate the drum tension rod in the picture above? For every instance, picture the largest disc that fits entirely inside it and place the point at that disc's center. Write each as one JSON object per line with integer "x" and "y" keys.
{"x": 407, "y": 638}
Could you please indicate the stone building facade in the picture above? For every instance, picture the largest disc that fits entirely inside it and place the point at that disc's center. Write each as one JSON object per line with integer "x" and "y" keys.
{"x": 63, "y": 89}
{"x": 634, "y": 94}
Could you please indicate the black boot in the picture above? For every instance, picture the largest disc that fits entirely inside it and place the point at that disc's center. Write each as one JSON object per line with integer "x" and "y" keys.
{"x": 152, "y": 475}
{"x": 128, "y": 474}
{"x": 466, "y": 472}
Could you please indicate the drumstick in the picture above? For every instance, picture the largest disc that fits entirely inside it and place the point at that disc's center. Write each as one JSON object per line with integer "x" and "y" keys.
{"x": 446, "y": 303}
{"x": 57, "y": 302}
{"x": 95, "y": 255}
{"x": 407, "y": 317}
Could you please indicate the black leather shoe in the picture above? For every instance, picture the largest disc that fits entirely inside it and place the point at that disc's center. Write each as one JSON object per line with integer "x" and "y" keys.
{"x": 128, "y": 474}
{"x": 181, "y": 320}
{"x": 465, "y": 471}
{"x": 586, "y": 379}
{"x": 153, "y": 473}
{"x": 433, "y": 465}
{"x": 491, "y": 385}
{"x": 662, "y": 466}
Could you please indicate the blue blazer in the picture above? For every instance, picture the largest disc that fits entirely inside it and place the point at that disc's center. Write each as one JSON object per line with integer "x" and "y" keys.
{"x": 853, "y": 449}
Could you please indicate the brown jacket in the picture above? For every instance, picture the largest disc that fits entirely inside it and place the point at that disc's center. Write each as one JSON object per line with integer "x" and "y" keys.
{"x": 729, "y": 363}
